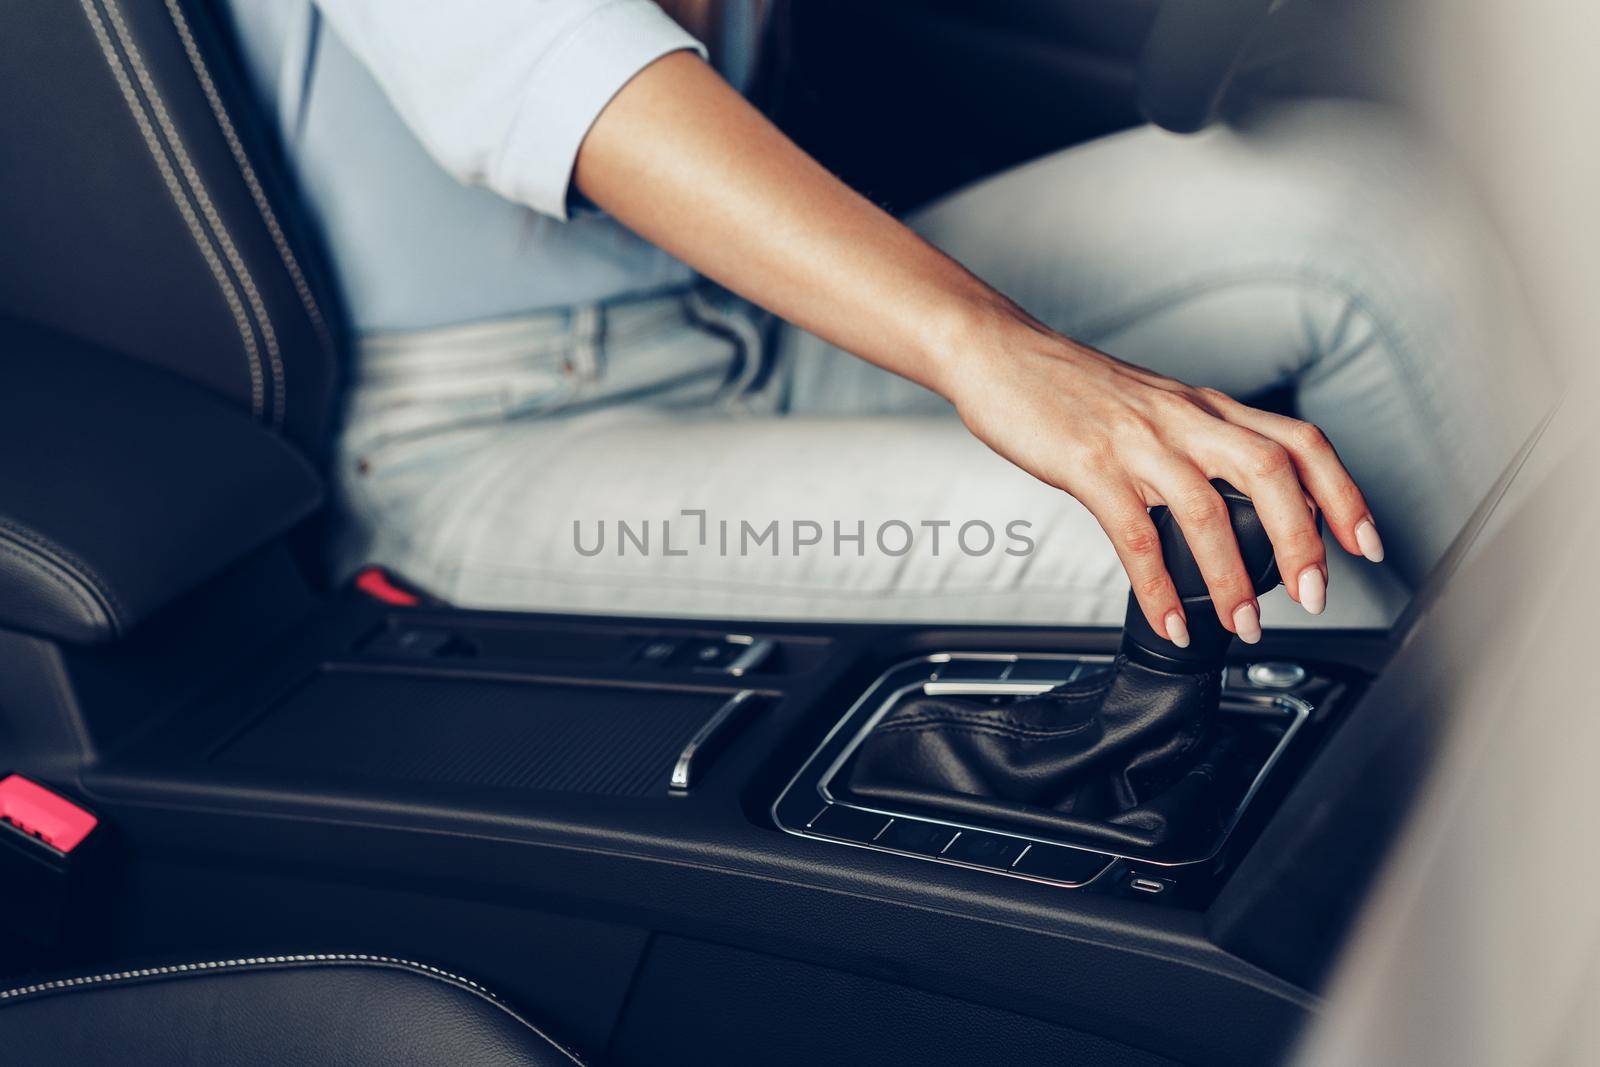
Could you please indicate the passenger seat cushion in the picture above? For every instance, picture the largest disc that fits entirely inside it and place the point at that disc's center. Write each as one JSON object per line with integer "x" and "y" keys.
{"x": 270, "y": 1012}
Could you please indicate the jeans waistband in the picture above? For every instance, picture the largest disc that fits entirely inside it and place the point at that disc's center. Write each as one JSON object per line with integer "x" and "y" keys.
{"x": 390, "y": 356}
{"x": 677, "y": 349}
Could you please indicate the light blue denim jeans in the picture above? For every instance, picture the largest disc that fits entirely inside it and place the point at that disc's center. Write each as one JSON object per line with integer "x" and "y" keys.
{"x": 628, "y": 458}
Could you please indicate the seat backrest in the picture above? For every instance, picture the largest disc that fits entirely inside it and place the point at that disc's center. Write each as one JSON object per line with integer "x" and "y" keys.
{"x": 143, "y": 207}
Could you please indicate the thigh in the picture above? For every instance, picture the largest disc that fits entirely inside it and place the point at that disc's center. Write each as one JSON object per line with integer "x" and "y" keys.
{"x": 759, "y": 518}
{"x": 1194, "y": 256}
{"x": 902, "y": 519}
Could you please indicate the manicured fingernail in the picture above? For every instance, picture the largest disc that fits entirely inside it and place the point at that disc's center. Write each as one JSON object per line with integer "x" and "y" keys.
{"x": 1177, "y": 632}
{"x": 1369, "y": 541}
{"x": 1313, "y": 590}
{"x": 1247, "y": 623}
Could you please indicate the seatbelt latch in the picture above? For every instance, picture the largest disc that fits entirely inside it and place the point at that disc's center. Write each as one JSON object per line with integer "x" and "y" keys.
{"x": 36, "y": 811}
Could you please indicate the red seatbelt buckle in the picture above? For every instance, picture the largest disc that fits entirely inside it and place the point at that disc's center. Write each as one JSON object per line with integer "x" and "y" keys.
{"x": 35, "y": 811}
{"x": 380, "y": 585}
{"x": 53, "y": 866}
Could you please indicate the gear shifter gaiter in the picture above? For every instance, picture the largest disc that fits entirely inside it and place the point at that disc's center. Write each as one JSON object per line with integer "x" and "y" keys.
{"x": 1133, "y": 759}
{"x": 1136, "y": 759}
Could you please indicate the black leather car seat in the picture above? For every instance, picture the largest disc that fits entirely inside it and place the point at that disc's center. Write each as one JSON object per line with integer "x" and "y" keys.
{"x": 169, "y": 355}
{"x": 270, "y": 1011}
{"x": 147, "y": 210}
{"x": 168, "y": 330}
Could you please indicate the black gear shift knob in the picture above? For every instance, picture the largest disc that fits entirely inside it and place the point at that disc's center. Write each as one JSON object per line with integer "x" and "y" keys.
{"x": 1208, "y": 640}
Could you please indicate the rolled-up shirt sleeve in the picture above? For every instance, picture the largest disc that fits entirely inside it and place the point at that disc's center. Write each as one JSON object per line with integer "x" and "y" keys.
{"x": 503, "y": 92}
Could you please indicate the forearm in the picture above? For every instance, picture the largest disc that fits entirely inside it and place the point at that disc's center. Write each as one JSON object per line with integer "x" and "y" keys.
{"x": 683, "y": 160}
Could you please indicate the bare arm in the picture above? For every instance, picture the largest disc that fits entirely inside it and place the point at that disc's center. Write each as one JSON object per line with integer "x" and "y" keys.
{"x": 679, "y": 157}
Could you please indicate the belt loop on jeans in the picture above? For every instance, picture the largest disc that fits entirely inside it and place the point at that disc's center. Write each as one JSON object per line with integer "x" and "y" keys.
{"x": 750, "y": 351}
{"x": 588, "y": 342}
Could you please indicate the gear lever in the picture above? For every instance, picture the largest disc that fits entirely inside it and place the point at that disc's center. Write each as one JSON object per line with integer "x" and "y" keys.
{"x": 1208, "y": 641}
{"x": 1134, "y": 758}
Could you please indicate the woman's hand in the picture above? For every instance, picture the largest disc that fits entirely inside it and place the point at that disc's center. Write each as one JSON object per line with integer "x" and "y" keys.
{"x": 1122, "y": 439}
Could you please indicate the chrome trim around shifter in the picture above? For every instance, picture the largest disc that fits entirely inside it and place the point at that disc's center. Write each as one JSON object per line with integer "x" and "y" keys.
{"x": 797, "y": 806}
{"x": 985, "y": 689}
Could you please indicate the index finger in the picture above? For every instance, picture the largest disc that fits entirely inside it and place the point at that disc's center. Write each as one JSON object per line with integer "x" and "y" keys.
{"x": 1322, "y": 473}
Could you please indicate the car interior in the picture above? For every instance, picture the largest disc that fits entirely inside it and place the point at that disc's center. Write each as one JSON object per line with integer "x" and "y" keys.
{"x": 237, "y": 800}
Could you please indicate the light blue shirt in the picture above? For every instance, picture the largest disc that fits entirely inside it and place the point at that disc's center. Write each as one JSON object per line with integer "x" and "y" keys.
{"x": 435, "y": 142}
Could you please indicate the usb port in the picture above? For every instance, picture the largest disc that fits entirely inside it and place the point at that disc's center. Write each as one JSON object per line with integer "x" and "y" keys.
{"x": 1147, "y": 885}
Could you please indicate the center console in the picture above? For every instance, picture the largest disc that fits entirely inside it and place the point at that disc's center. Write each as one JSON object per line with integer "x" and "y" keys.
{"x": 639, "y": 802}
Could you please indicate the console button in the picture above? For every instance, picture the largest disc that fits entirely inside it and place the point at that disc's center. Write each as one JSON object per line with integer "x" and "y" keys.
{"x": 709, "y": 654}
{"x": 735, "y": 654}
{"x": 913, "y": 835}
{"x": 849, "y": 824}
{"x": 1070, "y": 865}
{"x": 1274, "y": 674}
{"x": 985, "y": 850}
{"x": 658, "y": 650}
{"x": 415, "y": 642}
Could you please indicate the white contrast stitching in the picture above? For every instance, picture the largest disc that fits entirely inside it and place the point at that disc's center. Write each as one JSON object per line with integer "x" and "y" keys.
{"x": 214, "y": 98}
{"x": 87, "y": 981}
{"x": 69, "y": 563}
{"x": 229, "y": 294}
{"x": 207, "y": 208}
{"x": 52, "y": 571}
